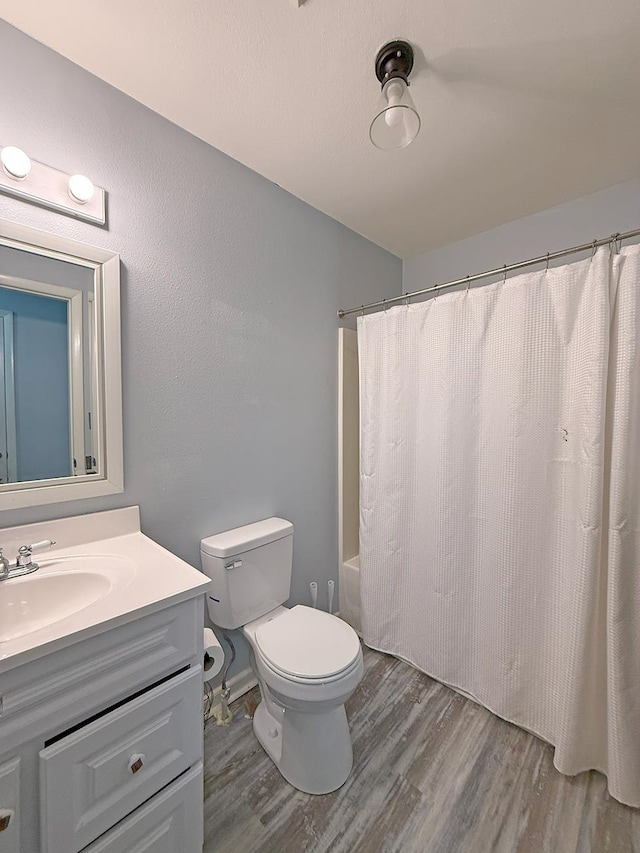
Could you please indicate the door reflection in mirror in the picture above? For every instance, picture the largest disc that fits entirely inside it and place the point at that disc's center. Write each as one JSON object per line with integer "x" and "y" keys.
{"x": 46, "y": 382}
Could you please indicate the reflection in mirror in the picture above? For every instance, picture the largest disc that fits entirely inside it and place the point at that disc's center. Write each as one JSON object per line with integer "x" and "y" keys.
{"x": 60, "y": 369}
{"x": 47, "y": 374}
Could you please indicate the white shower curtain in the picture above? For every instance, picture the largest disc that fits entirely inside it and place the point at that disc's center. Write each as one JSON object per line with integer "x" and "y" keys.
{"x": 500, "y": 434}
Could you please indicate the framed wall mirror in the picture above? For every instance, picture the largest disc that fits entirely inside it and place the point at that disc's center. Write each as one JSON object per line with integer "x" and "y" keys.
{"x": 60, "y": 369}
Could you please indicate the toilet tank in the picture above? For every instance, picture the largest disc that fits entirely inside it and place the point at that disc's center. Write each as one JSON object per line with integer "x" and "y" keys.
{"x": 250, "y": 571}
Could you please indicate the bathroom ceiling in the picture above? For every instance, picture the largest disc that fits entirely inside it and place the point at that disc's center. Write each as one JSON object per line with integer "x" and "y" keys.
{"x": 524, "y": 104}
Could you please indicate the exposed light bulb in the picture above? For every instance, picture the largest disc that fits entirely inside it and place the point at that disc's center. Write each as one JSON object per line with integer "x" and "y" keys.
{"x": 81, "y": 189}
{"x": 396, "y": 122}
{"x": 393, "y": 116}
{"x": 15, "y": 162}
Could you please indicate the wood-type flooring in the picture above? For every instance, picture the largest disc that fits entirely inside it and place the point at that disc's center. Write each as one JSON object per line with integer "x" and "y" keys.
{"x": 433, "y": 773}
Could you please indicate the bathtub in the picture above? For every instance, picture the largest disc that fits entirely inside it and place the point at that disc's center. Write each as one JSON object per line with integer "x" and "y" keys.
{"x": 350, "y": 592}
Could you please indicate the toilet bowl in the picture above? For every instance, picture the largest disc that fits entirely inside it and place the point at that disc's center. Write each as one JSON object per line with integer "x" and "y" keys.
{"x": 307, "y": 662}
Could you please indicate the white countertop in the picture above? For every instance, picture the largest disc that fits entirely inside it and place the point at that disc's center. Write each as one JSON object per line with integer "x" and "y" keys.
{"x": 142, "y": 577}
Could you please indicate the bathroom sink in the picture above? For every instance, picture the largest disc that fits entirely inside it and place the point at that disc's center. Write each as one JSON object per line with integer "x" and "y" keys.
{"x": 102, "y": 572}
{"x": 31, "y": 602}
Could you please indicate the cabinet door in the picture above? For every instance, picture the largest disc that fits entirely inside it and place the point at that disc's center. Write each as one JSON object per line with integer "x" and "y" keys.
{"x": 9, "y": 803}
{"x": 172, "y": 822}
{"x": 100, "y": 773}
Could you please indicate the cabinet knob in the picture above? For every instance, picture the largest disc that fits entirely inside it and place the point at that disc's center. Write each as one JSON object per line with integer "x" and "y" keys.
{"x": 6, "y": 816}
{"x": 136, "y": 762}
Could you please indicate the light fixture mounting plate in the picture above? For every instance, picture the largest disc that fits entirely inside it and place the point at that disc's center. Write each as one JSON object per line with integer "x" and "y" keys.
{"x": 394, "y": 59}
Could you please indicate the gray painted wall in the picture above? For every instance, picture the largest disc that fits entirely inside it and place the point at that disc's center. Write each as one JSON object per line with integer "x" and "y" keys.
{"x": 230, "y": 290}
{"x": 577, "y": 222}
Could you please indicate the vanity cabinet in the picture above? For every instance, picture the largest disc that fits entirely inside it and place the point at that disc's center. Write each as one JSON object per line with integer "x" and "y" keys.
{"x": 10, "y": 805}
{"x": 169, "y": 823}
{"x": 101, "y": 742}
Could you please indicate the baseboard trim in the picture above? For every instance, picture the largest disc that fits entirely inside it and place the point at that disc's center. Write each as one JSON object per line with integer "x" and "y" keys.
{"x": 238, "y": 684}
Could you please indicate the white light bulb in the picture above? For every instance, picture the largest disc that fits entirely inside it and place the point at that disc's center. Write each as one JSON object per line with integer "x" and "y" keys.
{"x": 393, "y": 116}
{"x": 81, "y": 189}
{"x": 396, "y": 122}
{"x": 15, "y": 162}
{"x": 393, "y": 91}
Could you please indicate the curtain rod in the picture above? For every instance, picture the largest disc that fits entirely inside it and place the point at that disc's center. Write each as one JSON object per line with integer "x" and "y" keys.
{"x": 503, "y": 270}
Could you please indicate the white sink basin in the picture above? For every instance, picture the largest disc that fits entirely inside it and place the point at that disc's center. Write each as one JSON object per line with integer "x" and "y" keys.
{"x": 30, "y": 603}
{"x": 102, "y": 572}
{"x": 34, "y": 601}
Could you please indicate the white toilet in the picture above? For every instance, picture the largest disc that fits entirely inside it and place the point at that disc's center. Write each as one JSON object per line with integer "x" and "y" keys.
{"x": 307, "y": 662}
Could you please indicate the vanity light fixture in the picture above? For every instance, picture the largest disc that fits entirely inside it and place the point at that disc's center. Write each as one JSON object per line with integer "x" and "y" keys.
{"x": 80, "y": 189}
{"x": 15, "y": 162}
{"x": 36, "y": 182}
{"x": 397, "y": 122}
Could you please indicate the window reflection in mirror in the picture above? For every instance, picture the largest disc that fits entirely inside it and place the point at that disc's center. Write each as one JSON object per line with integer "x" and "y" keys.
{"x": 47, "y": 373}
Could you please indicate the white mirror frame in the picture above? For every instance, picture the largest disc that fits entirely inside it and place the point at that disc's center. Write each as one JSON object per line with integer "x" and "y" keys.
{"x": 109, "y": 479}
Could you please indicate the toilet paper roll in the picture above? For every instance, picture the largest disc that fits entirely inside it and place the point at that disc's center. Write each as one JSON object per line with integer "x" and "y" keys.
{"x": 213, "y": 655}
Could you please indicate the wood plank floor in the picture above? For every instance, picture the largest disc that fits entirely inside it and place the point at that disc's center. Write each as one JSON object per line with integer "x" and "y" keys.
{"x": 433, "y": 773}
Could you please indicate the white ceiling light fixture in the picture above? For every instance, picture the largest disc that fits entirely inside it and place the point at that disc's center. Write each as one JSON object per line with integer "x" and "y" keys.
{"x": 15, "y": 162}
{"x": 397, "y": 122}
{"x": 81, "y": 189}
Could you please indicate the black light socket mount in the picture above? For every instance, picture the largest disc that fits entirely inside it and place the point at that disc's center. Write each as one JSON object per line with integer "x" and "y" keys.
{"x": 394, "y": 59}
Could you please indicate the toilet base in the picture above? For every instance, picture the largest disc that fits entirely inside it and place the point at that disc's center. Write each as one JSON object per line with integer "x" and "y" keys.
{"x": 311, "y": 750}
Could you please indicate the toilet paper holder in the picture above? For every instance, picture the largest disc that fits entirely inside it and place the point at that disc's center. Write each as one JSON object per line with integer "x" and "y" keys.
{"x": 213, "y": 657}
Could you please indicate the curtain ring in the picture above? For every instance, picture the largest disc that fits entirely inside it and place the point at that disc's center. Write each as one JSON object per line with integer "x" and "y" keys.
{"x": 612, "y": 244}
{"x": 594, "y": 246}
{"x": 614, "y": 248}
{"x": 468, "y": 284}
{"x": 362, "y": 310}
{"x": 546, "y": 269}
{"x": 384, "y": 305}
{"x": 504, "y": 274}
{"x": 617, "y": 242}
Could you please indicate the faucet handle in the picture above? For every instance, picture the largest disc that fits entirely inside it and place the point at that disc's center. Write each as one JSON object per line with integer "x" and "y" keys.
{"x": 37, "y": 546}
{"x": 25, "y": 551}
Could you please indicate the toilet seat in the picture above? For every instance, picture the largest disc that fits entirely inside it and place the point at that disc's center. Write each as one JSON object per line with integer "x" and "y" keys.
{"x": 308, "y": 646}
{"x": 299, "y": 679}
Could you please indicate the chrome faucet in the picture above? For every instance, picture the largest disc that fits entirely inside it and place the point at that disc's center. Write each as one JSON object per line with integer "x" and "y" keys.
{"x": 4, "y": 566}
{"x": 23, "y": 564}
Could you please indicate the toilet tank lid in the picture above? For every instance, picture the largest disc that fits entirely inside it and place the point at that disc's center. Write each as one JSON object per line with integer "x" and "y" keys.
{"x": 246, "y": 538}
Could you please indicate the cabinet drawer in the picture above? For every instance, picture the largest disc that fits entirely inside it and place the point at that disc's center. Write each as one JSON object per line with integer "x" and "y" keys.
{"x": 9, "y": 801}
{"x": 100, "y": 773}
{"x": 172, "y": 822}
{"x": 76, "y": 679}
